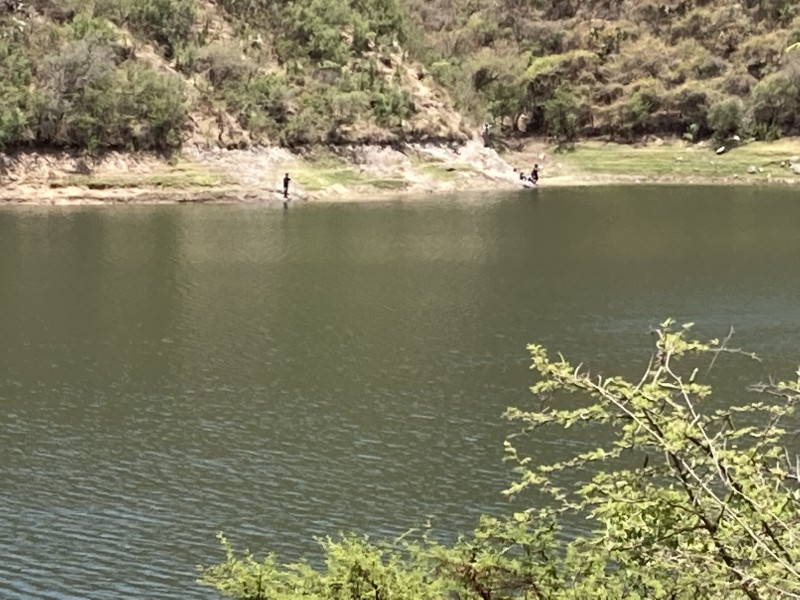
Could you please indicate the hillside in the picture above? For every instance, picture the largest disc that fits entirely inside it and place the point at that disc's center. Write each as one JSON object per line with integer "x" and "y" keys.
{"x": 158, "y": 74}
{"x": 619, "y": 68}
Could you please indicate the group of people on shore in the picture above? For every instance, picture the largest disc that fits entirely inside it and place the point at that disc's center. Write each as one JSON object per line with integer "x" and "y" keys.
{"x": 532, "y": 177}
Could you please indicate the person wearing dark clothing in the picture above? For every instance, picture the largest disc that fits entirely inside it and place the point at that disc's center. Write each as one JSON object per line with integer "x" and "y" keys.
{"x": 286, "y": 180}
{"x": 535, "y": 174}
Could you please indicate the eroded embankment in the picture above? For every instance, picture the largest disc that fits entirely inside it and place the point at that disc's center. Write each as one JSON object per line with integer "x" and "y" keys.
{"x": 252, "y": 175}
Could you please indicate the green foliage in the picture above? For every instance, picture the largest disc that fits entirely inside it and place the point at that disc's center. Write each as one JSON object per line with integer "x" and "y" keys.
{"x": 325, "y": 30}
{"x": 151, "y": 109}
{"x": 224, "y": 64}
{"x": 319, "y": 70}
{"x": 712, "y": 508}
{"x": 354, "y": 568}
{"x": 775, "y": 98}
{"x": 391, "y": 104}
{"x": 87, "y": 102}
{"x": 561, "y": 115}
{"x": 167, "y": 22}
{"x": 765, "y": 132}
{"x": 76, "y": 101}
{"x": 725, "y": 118}
{"x": 687, "y": 500}
{"x": 15, "y": 99}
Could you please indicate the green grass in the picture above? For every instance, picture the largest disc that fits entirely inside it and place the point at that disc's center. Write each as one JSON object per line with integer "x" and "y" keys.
{"x": 182, "y": 177}
{"x": 679, "y": 161}
{"x": 321, "y": 176}
{"x": 387, "y": 183}
{"x": 443, "y": 172}
{"x": 325, "y": 172}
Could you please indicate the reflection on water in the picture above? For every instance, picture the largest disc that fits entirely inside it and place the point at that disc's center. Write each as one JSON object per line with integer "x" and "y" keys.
{"x": 169, "y": 372}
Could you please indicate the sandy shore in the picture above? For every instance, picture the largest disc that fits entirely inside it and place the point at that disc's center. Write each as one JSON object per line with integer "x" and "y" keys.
{"x": 349, "y": 174}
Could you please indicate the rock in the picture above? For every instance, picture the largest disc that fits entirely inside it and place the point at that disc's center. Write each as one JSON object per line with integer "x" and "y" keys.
{"x": 721, "y": 150}
{"x": 752, "y": 170}
{"x": 793, "y": 160}
{"x": 795, "y": 168}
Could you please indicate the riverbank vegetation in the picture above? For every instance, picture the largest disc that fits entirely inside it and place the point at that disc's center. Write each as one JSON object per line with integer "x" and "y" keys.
{"x": 690, "y": 498}
{"x": 154, "y": 74}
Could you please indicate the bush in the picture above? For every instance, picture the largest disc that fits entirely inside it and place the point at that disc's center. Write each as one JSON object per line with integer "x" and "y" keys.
{"x": 224, "y": 63}
{"x": 151, "y": 109}
{"x": 632, "y": 114}
{"x": 16, "y": 101}
{"x": 681, "y": 500}
{"x": 76, "y": 103}
{"x": 561, "y": 115}
{"x": 725, "y": 118}
{"x": 774, "y": 101}
{"x": 87, "y": 102}
{"x": 391, "y": 105}
{"x": 168, "y": 22}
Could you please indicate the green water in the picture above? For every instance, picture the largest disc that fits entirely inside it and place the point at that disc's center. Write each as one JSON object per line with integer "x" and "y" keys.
{"x": 167, "y": 372}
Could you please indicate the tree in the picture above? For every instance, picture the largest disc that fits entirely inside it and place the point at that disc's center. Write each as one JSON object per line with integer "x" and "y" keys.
{"x": 687, "y": 502}
{"x": 561, "y": 115}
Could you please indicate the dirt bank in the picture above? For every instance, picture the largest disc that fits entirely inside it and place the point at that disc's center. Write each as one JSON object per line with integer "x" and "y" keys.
{"x": 371, "y": 172}
{"x": 254, "y": 175}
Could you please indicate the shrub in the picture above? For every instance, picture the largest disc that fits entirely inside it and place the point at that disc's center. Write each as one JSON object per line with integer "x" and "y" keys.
{"x": 168, "y": 22}
{"x": 691, "y": 103}
{"x": 88, "y": 103}
{"x": 76, "y": 87}
{"x": 725, "y": 118}
{"x": 224, "y": 63}
{"x": 151, "y": 109}
{"x": 15, "y": 98}
{"x": 391, "y": 105}
{"x": 561, "y": 115}
{"x": 647, "y": 57}
{"x": 680, "y": 500}
{"x": 774, "y": 101}
{"x": 316, "y": 28}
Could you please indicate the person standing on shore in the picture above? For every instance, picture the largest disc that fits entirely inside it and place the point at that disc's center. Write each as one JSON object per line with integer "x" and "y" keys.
{"x": 535, "y": 173}
{"x": 286, "y": 180}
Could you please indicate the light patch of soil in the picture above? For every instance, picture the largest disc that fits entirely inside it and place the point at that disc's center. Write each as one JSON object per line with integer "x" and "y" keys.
{"x": 340, "y": 174}
{"x": 254, "y": 175}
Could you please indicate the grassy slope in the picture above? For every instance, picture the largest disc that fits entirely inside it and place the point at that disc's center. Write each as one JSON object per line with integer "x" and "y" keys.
{"x": 594, "y": 161}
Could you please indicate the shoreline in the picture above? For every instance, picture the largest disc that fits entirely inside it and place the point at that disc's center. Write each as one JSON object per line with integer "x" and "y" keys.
{"x": 376, "y": 173}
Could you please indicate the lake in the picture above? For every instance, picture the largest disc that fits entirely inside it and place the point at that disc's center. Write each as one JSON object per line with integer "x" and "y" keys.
{"x": 168, "y": 372}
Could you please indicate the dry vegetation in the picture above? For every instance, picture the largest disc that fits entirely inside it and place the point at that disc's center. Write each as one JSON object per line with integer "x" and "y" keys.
{"x": 617, "y": 68}
{"x": 154, "y": 74}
